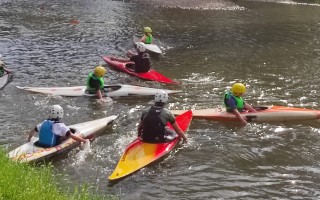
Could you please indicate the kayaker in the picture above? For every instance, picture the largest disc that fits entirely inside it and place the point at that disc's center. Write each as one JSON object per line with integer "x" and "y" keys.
{"x": 3, "y": 69}
{"x": 51, "y": 131}
{"x": 234, "y": 102}
{"x": 142, "y": 62}
{"x": 147, "y": 37}
{"x": 152, "y": 127}
{"x": 95, "y": 82}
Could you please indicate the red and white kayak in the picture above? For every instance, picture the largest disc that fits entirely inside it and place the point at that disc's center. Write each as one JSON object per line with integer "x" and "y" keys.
{"x": 140, "y": 154}
{"x": 30, "y": 152}
{"x": 116, "y": 90}
{"x": 263, "y": 114}
{"x": 151, "y": 75}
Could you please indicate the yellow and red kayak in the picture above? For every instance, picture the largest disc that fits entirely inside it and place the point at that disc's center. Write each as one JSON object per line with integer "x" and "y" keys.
{"x": 140, "y": 154}
{"x": 263, "y": 114}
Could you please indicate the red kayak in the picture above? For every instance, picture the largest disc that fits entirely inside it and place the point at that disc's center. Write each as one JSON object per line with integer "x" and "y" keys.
{"x": 151, "y": 75}
{"x": 140, "y": 154}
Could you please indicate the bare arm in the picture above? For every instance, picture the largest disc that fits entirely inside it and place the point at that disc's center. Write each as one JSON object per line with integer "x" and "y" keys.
{"x": 6, "y": 70}
{"x": 140, "y": 128}
{"x": 31, "y": 134}
{"x": 250, "y": 108}
{"x": 236, "y": 112}
{"x": 120, "y": 59}
{"x": 178, "y": 130}
{"x": 99, "y": 94}
{"x": 143, "y": 39}
{"x": 77, "y": 138}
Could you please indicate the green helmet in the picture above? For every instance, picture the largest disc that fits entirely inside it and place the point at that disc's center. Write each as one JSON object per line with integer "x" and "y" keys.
{"x": 147, "y": 30}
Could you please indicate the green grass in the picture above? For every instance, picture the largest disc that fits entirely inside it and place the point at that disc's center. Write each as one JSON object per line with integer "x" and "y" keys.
{"x": 23, "y": 181}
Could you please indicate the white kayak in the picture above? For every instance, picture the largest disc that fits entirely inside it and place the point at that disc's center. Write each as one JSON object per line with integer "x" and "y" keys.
{"x": 4, "y": 80}
{"x": 117, "y": 90}
{"x": 150, "y": 47}
{"x": 30, "y": 152}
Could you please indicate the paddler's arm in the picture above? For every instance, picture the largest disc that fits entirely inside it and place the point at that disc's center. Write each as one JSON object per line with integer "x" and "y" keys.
{"x": 31, "y": 134}
{"x": 99, "y": 94}
{"x": 250, "y": 108}
{"x": 120, "y": 59}
{"x": 77, "y": 138}
{"x": 178, "y": 130}
{"x": 140, "y": 128}
{"x": 237, "y": 113}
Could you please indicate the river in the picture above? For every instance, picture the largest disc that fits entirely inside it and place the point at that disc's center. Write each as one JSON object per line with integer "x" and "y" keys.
{"x": 271, "y": 46}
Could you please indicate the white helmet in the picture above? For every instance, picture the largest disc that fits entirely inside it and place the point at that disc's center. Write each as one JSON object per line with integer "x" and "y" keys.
{"x": 161, "y": 96}
{"x": 56, "y": 111}
{"x": 141, "y": 47}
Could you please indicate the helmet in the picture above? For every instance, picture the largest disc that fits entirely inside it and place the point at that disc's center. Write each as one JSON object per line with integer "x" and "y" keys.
{"x": 141, "y": 47}
{"x": 56, "y": 111}
{"x": 161, "y": 96}
{"x": 99, "y": 71}
{"x": 147, "y": 30}
{"x": 238, "y": 88}
{"x": 1, "y": 63}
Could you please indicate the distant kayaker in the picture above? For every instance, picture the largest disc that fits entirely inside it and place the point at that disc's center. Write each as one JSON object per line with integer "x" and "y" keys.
{"x": 152, "y": 127}
{"x": 234, "y": 102}
{"x": 147, "y": 37}
{"x": 142, "y": 62}
{"x": 51, "y": 131}
{"x": 95, "y": 82}
{"x": 3, "y": 69}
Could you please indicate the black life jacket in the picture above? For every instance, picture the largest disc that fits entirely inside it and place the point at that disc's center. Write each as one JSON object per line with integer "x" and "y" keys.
{"x": 153, "y": 127}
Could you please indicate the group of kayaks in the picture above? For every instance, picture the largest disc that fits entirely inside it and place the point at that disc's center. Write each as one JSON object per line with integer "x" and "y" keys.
{"x": 139, "y": 154}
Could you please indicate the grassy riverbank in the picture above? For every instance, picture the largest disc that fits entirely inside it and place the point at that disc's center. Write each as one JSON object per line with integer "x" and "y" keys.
{"x": 23, "y": 181}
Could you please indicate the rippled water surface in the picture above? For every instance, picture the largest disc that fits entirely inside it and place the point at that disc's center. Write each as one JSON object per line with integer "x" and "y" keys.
{"x": 272, "y": 47}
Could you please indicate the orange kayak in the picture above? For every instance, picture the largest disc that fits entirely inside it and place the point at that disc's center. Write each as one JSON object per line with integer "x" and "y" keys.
{"x": 140, "y": 154}
{"x": 263, "y": 114}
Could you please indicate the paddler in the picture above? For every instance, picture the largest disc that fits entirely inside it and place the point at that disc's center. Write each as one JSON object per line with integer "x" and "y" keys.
{"x": 234, "y": 102}
{"x": 152, "y": 127}
{"x": 142, "y": 62}
{"x": 95, "y": 82}
{"x": 147, "y": 37}
{"x": 51, "y": 131}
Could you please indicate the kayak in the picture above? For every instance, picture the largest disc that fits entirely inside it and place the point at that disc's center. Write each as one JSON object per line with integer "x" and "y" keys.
{"x": 4, "y": 80}
{"x": 263, "y": 114}
{"x": 140, "y": 154}
{"x": 112, "y": 90}
{"x": 30, "y": 152}
{"x": 151, "y": 75}
{"x": 151, "y": 48}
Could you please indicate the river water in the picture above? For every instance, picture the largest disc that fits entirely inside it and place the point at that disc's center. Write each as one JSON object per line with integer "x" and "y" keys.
{"x": 273, "y": 47}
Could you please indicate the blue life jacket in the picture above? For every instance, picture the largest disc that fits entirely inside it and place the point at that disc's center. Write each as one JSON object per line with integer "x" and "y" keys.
{"x": 46, "y": 136}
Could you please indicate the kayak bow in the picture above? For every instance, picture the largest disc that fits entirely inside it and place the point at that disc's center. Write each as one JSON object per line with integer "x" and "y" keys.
{"x": 140, "y": 154}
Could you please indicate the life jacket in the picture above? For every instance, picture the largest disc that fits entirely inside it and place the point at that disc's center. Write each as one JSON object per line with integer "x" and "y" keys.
{"x": 239, "y": 101}
{"x": 153, "y": 128}
{"x": 46, "y": 136}
{"x": 91, "y": 75}
{"x": 148, "y": 39}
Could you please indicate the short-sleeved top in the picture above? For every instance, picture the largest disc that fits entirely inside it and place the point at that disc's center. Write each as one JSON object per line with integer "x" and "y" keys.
{"x": 59, "y": 129}
{"x": 231, "y": 102}
{"x": 142, "y": 62}
{"x": 165, "y": 115}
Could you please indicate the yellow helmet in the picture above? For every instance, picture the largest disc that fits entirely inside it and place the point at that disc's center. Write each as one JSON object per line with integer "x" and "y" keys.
{"x": 147, "y": 30}
{"x": 99, "y": 71}
{"x": 238, "y": 88}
